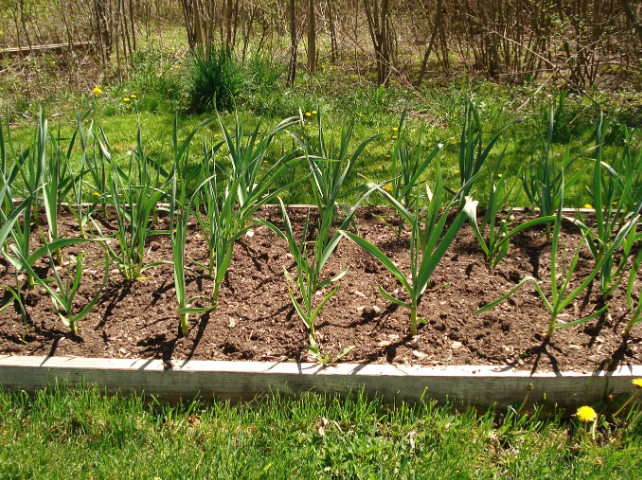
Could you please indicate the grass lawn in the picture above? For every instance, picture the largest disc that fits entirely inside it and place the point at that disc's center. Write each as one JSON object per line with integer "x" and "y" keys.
{"x": 61, "y": 433}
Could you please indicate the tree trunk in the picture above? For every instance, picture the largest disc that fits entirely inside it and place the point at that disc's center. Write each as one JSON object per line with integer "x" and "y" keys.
{"x": 435, "y": 28}
{"x": 293, "y": 44}
{"x": 377, "y": 16}
{"x": 312, "y": 38}
{"x": 631, "y": 17}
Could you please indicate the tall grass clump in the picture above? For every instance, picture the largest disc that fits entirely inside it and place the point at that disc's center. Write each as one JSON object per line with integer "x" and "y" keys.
{"x": 215, "y": 81}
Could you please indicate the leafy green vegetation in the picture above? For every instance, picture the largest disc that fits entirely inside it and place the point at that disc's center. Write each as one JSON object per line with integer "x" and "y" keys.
{"x": 59, "y": 433}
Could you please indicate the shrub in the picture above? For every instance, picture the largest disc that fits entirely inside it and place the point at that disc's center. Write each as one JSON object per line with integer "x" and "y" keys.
{"x": 215, "y": 81}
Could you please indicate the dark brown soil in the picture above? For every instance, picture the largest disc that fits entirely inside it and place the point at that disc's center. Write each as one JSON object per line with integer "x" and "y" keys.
{"x": 256, "y": 321}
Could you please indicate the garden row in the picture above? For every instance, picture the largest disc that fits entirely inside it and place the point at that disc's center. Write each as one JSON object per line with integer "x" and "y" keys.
{"x": 218, "y": 192}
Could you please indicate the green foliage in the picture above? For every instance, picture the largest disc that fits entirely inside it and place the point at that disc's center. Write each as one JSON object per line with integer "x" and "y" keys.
{"x": 65, "y": 292}
{"x": 543, "y": 179}
{"x": 612, "y": 193}
{"x": 498, "y": 243}
{"x": 330, "y": 162}
{"x": 635, "y": 304}
{"x": 427, "y": 245}
{"x": 134, "y": 193}
{"x": 62, "y": 433}
{"x": 562, "y": 293}
{"x": 215, "y": 81}
{"x": 472, "y": 154}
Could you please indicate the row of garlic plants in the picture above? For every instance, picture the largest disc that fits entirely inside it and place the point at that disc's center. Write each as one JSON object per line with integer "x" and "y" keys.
{"x": 226, "y": 181}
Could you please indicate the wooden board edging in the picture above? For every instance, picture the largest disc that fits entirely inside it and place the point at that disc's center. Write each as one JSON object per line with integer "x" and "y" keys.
{"x": 469, "y": 385}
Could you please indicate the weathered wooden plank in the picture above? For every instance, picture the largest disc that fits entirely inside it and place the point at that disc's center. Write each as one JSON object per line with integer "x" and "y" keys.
{"x": 243, "y": 380}
{"x": 47, "y": 47}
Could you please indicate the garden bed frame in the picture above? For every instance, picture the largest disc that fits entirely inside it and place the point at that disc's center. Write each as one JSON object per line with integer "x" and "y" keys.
{"x": 183, "y": 379}
{"x": 238, "y": 381}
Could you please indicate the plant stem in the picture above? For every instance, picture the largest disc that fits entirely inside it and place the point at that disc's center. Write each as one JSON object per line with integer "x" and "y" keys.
{"x": 413, "y": 320}
{"x": 184, "y": 324}
{"x": 551, "y": 326}
{"x": 217, "y": 287}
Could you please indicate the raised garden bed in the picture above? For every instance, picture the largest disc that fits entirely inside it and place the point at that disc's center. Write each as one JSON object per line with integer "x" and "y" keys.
{"x": 255, "y": 320}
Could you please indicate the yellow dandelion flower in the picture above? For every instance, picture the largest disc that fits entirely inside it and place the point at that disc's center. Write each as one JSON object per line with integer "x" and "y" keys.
{"x": 500, "y": 175}
{"x": 395, "y": 129}
{"x": 133, "y": 95}
{"x": 96, "y": 194}
{"x": 452, "y": 142}
{"x": 586, "y": 414}
{"x": 314, "y": 112}
{"x": 457, "y": 190}
{"x": 126, "y": 99}
{"x": 637, "y": 382}
{"x": 177, "y": 67}
{"x": 264, "y": 161}
{"x": 388, "y": 187}
{"x": 395, "y": 137}
{"x": 142, "y": 279}
{"x": 456, "y": 172}
{"x": 588, "y": 205}
{"x": 97, "y": 91}
{"x": 387, "y": 155}
{"x": 308, "y": 114}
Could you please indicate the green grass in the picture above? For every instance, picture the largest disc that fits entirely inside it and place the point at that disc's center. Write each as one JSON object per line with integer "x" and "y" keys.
{"x": 521, "y": 140}
{"x": 61, "y": 433}
{"x": 161, "y": 89}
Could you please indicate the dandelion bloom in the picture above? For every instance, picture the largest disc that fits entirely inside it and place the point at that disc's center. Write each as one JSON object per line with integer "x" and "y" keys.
{"x": 177, "y": 66}
{"x": 588, "y": 205}
{"x": 388, "y": 187}
{"x": 126, "y": 99}
{"x": 394, "y": 137}
{"x": 314, "y": 112}
{"x": 97, "y": 91}
{"x": 586, "y": 414}
{"x": 394, "y": 129}
{"x": 456, "y": 172}
{"x": 500, "y": 175}
{"x": 637, "y": 382}
{"x": 133, "y": 95}
{"x": 308, "y": 114}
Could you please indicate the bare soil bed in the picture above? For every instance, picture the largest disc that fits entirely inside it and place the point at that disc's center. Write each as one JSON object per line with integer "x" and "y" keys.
{"x": 256, "y": 320}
